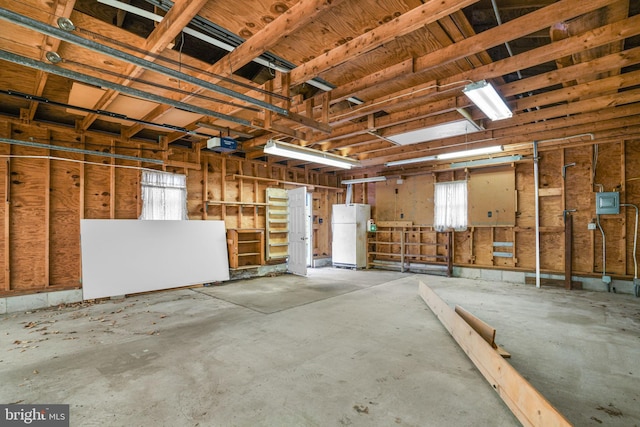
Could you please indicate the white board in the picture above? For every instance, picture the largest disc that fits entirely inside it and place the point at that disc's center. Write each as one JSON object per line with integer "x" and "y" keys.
{"x": 122, "y": 257}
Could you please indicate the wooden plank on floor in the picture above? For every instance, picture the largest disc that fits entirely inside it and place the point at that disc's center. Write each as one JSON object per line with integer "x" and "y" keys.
{"x": 487, "y": 332}
{"x": 526, "y": 403}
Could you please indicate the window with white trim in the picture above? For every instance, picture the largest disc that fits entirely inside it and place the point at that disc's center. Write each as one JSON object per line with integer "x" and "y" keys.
{"x": 164, "y": 195}
{"x": 450, "y": 201}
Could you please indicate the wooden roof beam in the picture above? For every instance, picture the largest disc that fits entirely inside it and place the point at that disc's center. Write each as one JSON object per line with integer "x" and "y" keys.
{"x": 600, "y": 36}
{"x": 628, "y": 114}
{"x": 172, "y": 24}
{"x": 404, "y": 24}
{"x": 295, "y": 18}
{"x": 477, "y": 44}
{"x": 61, "y": 9}
{"x": 603, "y": 35}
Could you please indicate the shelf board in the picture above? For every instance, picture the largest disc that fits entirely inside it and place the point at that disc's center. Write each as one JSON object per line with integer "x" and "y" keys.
{"x": 248, "y": 241}
{"x": 384, "y": 253}
{"x": 229, "y": 203}
{"x": 233, "y": 177}
{"x": 249, "y": 254}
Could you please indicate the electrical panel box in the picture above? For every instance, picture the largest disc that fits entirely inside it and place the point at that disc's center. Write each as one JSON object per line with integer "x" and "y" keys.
{"x": 608, "y": 203}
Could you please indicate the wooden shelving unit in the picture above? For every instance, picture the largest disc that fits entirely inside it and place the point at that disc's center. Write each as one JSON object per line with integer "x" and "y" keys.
{"x": 410, "y": 247}
{"x": 277, "y": 224}
{"x": 246, "y": 247}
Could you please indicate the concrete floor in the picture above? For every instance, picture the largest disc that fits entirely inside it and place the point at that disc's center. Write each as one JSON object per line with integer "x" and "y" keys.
{"x": 340, "y": 347}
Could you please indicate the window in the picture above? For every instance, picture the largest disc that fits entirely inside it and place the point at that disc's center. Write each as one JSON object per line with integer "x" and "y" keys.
{"x": 450, "y": 200}
{"x": 164, "y": 195}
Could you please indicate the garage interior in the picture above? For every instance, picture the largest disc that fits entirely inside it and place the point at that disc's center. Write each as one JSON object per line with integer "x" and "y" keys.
{"x": 259, "y": 127}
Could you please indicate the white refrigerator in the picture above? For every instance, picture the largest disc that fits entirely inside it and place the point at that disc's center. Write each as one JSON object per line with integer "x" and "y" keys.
{"x": 349, "y": 228}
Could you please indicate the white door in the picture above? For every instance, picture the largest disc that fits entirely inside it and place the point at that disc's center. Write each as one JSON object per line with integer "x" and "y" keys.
{"x": 298, "y": 237}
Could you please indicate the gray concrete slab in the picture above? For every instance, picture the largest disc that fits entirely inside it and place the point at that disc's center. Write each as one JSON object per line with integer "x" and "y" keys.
{"x": 340, "y": 347}
{"x": 266, "y": 294}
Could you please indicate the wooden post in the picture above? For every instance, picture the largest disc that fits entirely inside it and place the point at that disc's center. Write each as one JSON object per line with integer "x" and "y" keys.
{"x": 112, "y": 183}
{"x": 205, "y": 187}
{"x": 568, "y": 240}
{"x": 47, "y": 216}
{"x": 139, "y": 189}
{"x": 7, "y": 211}
{"x": 240, "y": 194}
{"x": 449, "y": 254}
{"x": 223, "y": 187}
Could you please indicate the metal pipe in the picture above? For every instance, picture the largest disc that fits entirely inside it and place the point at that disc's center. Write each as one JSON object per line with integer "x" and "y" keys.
{"x": 63, "y": 72}
{"x": 79, "y": 151}
{"x": 635, "y": 240}
{"x": 604, "y": 253}
{"x": 537, "y": 210}
{"x": 499, "y": 21}
{"x": 564, "y": 169}
{"x": 49, "y": 30}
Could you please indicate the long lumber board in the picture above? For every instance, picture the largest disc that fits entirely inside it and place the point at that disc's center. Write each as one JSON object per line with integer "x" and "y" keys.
{"x": 527, "y": 404}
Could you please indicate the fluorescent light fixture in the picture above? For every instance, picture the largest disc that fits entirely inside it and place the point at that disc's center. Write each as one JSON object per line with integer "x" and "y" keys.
{"x": 470, "y": 153}
{"x": 486, "y": 162}
{"x": 363, "y": 180}
{"x": 447, "y": 156}
{"x": 410, "y": 161}
{"x": 445, "y": 130}
{"x": 487, "y": 99}
{"x": 284, "y": 149}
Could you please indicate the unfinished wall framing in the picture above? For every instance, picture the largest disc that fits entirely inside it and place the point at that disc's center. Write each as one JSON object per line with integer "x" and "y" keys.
{"x": 45, "y": 198}
{"x": 47, "y": 192}
{"x": 569, "y": 177}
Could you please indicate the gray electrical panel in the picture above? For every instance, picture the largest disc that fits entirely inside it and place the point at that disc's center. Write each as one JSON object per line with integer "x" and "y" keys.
{"x": 608, "y": 203}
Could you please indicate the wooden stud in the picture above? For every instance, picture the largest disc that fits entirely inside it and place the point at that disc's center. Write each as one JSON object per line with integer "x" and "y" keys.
{"x": 568, "y": 252}
{"x": 256, "y": 187}
{"x": 7, "y": 211}
{"x": 205, "y": 187}
{"x": 81, "y": 207}
{"x": 81, "y": 195}
{"x": 223, "y": 186}
{"x": 112, "y": 183}
{"x": 240, "y": 193}
{"x": 47, "y": 217}
{"x": 139, "y": 186}
{"x": 623, "y": 195}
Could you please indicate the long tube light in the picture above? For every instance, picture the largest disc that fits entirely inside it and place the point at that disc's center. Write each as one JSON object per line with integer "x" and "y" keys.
{"x": 410, "y": 161}
{"x": 486, "y": 162}
{"x": 448, "y": 156}
{"x": 363, "y": 180}
{"x": 487, "y": 99}
{"x": 470, "y": 153}
{"x": 284, "y": 149}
